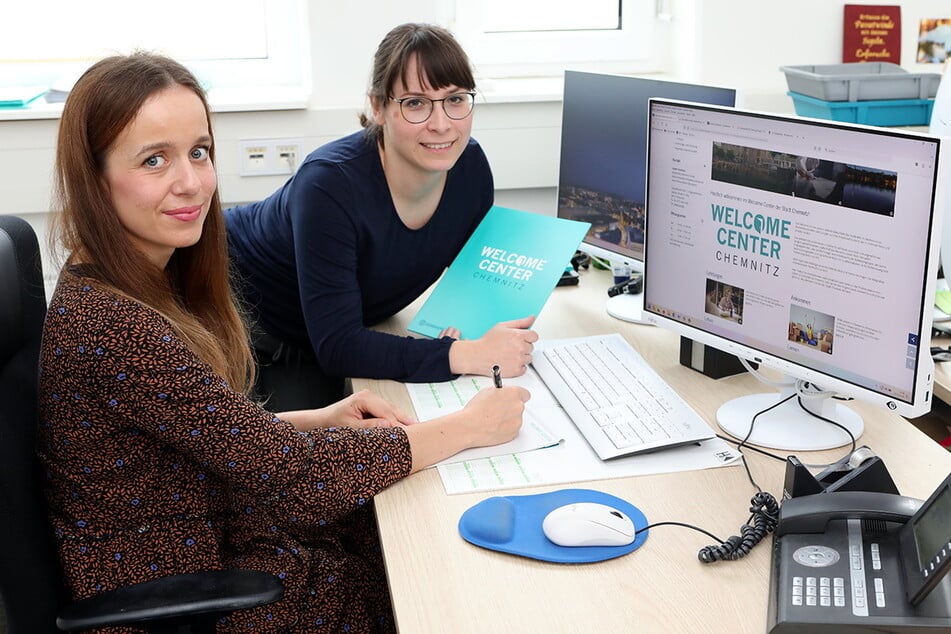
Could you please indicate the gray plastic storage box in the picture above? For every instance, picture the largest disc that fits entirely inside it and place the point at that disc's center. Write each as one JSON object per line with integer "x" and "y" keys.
{"x": 860, "y": 81}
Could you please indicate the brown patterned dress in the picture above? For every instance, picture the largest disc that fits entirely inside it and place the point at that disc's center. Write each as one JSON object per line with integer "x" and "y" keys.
{"x": 156, "y": 466}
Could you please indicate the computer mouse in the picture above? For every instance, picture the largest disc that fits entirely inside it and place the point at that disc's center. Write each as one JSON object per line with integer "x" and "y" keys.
{"x": 588, "y": 524}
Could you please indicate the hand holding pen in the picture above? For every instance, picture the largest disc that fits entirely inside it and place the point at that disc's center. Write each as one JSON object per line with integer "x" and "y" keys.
{"x": 495, "y": 413}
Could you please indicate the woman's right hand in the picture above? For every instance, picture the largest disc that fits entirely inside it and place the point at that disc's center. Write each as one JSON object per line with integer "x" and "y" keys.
{"x": 491, "y": 417}
{"x": 495, "y": 414}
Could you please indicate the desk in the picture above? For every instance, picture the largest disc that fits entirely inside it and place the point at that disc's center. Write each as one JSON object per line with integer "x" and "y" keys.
{"x": 441, "y": 583}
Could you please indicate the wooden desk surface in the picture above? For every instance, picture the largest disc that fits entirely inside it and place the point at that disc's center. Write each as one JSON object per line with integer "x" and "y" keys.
{"x": 441, "y": 583}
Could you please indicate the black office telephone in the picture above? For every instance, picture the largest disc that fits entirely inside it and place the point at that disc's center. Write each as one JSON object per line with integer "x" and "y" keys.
{"x": 847, "y": 561}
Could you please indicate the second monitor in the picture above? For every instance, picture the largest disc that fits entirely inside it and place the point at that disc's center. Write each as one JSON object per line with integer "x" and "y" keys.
{"x": 603, "y": 164}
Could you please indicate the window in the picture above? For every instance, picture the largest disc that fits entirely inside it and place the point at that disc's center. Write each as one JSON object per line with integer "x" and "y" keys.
{"x": 545, "y": 36}
{"x": 228, "y": 44}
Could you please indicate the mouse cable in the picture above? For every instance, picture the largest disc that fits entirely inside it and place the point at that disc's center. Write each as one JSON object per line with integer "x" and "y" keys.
{"x": 681, "y": 524}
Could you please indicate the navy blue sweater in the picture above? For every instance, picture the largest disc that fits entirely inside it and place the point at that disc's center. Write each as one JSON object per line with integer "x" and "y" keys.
{"x": 326, "y": 256}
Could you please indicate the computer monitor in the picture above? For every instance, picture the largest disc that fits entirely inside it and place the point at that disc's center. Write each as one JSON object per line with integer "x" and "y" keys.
{"x": 803, "y": 245}
{"x": 603, "y": 164}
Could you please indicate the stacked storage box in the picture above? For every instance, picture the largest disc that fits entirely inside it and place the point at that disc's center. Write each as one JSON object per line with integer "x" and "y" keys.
{"x": 874, "y": 93}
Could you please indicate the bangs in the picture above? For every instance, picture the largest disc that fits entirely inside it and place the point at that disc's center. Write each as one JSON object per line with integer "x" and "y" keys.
{"x": 438, "y": 64}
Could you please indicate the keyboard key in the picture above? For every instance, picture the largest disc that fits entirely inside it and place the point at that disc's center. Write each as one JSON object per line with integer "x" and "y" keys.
{"x": 611, "y": 415}
{"x": 618, "y": 437}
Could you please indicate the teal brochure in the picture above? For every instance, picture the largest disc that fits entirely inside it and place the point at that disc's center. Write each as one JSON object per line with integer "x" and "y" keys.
{"x": 506, "y": 270}
{"x": 19, "y": 96}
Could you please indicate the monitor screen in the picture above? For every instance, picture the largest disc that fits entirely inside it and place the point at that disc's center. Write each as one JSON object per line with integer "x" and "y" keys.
{"x": 603, "y": 167}
{"x": 804, "y": 245}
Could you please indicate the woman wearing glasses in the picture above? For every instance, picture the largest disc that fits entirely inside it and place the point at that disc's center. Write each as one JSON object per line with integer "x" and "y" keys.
{"x": 364, "y": 227}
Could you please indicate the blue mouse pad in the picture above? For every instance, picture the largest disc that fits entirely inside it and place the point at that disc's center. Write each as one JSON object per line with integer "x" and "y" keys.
{"x": 513, "y": 524}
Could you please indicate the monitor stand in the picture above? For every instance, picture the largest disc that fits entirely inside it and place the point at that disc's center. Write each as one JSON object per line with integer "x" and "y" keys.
{"x": 627, "y": 307}
{"x": 788, "y": 426}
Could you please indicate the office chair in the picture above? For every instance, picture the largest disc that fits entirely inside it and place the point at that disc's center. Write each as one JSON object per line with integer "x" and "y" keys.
{"x": 32, "y": 596}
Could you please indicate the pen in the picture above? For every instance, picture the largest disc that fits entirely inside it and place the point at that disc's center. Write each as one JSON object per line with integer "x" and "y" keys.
{"x": 497, "y": 375}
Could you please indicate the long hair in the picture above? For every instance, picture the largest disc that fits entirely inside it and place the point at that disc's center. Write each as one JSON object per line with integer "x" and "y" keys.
{"x": 193, "y": 291}
{"x": 440, "y": 62}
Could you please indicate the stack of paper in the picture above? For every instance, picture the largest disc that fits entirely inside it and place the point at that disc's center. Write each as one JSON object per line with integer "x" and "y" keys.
{"x": 549, "y": 449}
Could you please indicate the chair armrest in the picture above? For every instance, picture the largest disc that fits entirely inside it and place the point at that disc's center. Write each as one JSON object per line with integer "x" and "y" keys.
{"x": 202, "y": 597}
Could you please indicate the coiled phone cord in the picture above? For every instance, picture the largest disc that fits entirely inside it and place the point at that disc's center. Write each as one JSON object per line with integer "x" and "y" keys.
{"x": 764, "y": 508}
{"x": 764, "y": 511}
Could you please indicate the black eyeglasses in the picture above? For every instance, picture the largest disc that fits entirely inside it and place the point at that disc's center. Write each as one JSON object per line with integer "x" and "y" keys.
{"x": 419, "y": 109}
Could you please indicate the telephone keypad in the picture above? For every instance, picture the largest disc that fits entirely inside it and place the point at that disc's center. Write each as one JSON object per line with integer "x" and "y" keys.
{"x": 857, "y": 589}
{"x": 818, "y": 591}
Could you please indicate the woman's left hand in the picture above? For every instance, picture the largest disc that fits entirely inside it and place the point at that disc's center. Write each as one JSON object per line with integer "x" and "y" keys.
{"x": 364, "y": 409}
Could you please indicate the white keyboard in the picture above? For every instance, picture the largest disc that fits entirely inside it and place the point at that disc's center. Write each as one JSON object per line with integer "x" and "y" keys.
{"x": 618, "y": 402}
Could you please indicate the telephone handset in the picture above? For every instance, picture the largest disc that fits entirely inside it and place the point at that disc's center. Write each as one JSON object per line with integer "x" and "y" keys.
{"x": 812, "y": 513}
{"x": 862, "y": 560}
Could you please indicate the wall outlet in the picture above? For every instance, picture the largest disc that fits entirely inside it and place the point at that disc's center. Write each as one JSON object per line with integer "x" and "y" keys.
{"x": 269, "y": 157}
{"x": 288, "y": 155}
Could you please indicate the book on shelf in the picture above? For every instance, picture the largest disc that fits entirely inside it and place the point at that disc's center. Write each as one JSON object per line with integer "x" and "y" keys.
{"x": 872, "y": 33}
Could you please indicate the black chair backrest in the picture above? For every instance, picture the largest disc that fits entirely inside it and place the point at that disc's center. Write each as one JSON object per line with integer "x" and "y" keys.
{"x": 30, "y": 578}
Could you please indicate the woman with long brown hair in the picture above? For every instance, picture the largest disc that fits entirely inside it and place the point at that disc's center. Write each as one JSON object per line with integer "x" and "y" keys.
{"x": 157, "y": 460}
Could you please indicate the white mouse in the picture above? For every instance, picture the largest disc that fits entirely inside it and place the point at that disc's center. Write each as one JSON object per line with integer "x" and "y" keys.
{"x": 588, "y": 524}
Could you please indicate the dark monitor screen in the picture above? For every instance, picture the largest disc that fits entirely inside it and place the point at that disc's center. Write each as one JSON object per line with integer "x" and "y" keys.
{"x": 604, "y": 156}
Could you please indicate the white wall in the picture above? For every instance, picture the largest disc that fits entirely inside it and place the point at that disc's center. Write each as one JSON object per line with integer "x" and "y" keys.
{"x": 744, "y": 42}
{"x": 740, "y": 43}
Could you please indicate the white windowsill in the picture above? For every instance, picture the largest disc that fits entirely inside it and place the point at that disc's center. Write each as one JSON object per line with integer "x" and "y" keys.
{"x": 221, "y": 100}
{"x": 492, "y": 90}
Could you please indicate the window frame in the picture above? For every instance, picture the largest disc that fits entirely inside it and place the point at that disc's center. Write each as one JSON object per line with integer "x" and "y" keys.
{"x": 285, "y": 69}
{"x": 632, "y": 48}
